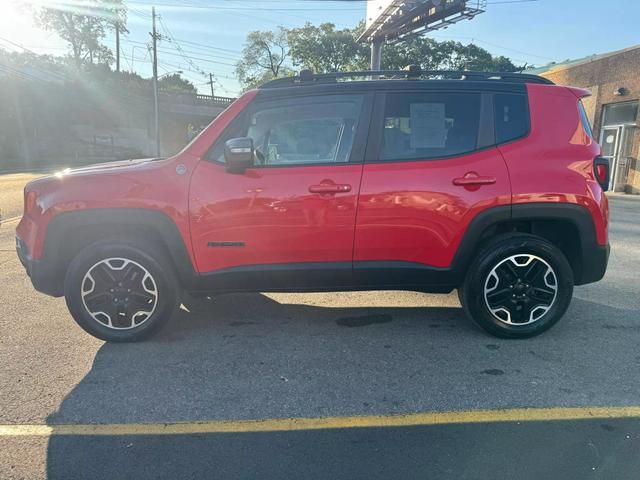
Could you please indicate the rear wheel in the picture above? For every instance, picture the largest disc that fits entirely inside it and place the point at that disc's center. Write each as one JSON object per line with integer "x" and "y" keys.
{"x": 119, "y": 293}
{"x": 518, "y": 287}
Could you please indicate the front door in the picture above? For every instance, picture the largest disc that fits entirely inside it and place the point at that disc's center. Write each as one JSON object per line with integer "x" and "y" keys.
{"x": 289, "y": 220}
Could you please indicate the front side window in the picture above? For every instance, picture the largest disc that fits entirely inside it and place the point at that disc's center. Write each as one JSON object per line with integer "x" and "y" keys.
{"x": 430, "y": 125}
{"x": 304, "y": 131}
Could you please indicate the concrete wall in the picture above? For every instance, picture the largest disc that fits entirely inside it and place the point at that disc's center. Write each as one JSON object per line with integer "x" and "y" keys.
{"x": 604, "y": 76}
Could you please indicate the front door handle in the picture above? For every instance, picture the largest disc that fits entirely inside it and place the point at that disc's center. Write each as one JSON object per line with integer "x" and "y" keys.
{"x": 472, "y": 179}
{"x": 329, "y": 188}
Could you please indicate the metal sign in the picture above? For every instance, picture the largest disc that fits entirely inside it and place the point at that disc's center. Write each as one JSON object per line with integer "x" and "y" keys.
{"x": 393, "y": 20}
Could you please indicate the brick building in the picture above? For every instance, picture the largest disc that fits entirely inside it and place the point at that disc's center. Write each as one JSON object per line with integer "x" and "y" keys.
{"x": 614, "y": 81}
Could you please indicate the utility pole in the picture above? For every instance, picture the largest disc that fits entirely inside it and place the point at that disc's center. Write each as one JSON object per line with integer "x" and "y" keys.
{"x": 156, "y": 113}
{"x": 211, "y": 83}
{"x": 117, "y": 47}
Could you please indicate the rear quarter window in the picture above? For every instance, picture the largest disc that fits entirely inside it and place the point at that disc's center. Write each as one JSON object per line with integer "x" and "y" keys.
{"x": 511, "y": 116}
{"x": 585, "y": 119}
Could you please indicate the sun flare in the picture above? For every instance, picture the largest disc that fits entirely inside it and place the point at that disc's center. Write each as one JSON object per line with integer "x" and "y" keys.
{"x": 18, "y": 26}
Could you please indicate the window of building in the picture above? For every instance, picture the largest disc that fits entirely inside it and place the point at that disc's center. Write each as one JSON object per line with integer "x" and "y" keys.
{"x": 511, "y": 116}
{"x": 430, "y": 125}
{"x": 620, "y": 113}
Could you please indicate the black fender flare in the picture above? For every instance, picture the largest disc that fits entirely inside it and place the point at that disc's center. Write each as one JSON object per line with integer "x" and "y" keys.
{"x": 60, "y": 231}
{"x": 593, "y": 256}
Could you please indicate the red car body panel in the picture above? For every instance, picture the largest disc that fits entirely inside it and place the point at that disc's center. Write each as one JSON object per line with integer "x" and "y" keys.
{"x": 151, "y": 185}
{"x": 411, "y": 211}
{"x": 559, "y": 142}
{"x": 273, "y": 214}
{"x": 147, "y": 184}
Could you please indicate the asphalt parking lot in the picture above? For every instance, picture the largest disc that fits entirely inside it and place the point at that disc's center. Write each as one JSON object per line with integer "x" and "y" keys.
{"x": 273, "y": 385}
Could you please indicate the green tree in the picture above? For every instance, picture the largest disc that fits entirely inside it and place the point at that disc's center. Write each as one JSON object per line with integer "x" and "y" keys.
{"x": 448, "y": 55}
{"x": 85, "y": 26}
{"x": 176, "y": 84}
{"x": 324, "y": 49}
{"x": 263, "y": 57}
{"x": 426, "y": 52}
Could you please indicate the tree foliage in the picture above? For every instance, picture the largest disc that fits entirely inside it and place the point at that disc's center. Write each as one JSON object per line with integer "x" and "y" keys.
{"x": 84, "y": 27}
{"x": 263, "y": 57}
{"x": 176, "y": 84}
{"x": 322, "y": 48}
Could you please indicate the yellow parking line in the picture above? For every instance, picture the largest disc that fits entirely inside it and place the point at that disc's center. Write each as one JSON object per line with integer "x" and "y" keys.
{"x": 321, "y": 423}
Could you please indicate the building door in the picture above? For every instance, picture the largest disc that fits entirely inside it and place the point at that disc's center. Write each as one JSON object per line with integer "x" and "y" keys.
{"x": 616, "y": 145}
{"x": 616, "y": 139}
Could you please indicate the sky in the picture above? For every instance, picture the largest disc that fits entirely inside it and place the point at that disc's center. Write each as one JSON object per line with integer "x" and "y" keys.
{"x": 207, "y": 36}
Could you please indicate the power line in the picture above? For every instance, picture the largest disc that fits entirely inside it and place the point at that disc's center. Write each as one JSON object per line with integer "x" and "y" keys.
{"x": 201, "y": 53}
{"x": 188, "y": 58}
{"x": 190, "y": 61}
{"x": 171, "y": 39}
{"x": 496, "y": 45}
{"x": 207, "y": 46}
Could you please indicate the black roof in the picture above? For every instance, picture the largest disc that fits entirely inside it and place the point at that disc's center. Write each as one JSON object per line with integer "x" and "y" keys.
{"x": 411, "y": 74}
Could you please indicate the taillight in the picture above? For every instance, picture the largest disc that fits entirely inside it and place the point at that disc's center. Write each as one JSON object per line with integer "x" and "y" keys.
{"x": 30, "y": 199}
{"x": 601, "y": 172}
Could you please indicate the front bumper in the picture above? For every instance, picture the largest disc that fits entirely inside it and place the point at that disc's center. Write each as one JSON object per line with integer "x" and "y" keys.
{"x": 42, "y": 278}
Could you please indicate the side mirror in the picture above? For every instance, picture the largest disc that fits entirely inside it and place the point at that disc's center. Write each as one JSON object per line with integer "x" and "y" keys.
{"x": 238, "y": 154}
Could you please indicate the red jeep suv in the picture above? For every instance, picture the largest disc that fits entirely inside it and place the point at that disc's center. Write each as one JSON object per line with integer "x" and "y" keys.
{"x": 393, "y": 180}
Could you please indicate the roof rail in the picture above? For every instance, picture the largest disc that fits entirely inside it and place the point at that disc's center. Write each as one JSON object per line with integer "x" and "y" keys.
{"x": 412, "y": 72}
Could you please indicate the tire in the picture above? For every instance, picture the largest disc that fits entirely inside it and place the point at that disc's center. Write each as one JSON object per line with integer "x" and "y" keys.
{"x": 529, "y": 267}
{"x": 105, "y": 272}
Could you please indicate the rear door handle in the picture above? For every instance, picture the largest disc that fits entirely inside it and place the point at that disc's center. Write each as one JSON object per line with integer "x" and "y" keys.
{"x": 471, "y": 179}
{"x": 329, "y": 188}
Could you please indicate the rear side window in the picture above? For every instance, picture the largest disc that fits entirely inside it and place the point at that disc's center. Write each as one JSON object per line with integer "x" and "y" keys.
{"x": 511, "y": 116}
{"x": 430, "y": 125}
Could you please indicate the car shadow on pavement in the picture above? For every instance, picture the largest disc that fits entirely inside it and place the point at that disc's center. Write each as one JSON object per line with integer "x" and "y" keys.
{"x": 247, "y": 356}
{"x": 246, "y": 344}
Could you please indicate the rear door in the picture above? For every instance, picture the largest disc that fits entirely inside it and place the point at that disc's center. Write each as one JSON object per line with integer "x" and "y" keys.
{"x": 433, "y": 168}
{"x": 287, "y": 222}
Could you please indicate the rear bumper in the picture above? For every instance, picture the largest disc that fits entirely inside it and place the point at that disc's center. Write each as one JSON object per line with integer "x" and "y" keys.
{"x": 594, "y": 264}
{"x": 41, "y": 275}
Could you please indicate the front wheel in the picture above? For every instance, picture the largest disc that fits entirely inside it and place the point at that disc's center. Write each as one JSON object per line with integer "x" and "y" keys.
{"x": 120, "y": 293}
{"x": 517, "y": 287}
